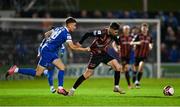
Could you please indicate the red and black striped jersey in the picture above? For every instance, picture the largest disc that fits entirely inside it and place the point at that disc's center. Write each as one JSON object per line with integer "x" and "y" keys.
{"x": 102, "y": 41}
{"x": 124, "y": 42}
{"x": 142, "y": 50}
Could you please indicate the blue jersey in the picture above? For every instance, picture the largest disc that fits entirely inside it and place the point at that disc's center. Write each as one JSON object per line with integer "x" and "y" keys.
{"x": 50, "y": 49}
{"x": 59, "y": 36}
{"x": 61, "y": 51}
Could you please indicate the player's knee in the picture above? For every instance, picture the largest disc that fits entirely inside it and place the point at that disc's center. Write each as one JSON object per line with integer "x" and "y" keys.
{"x": 61, "y": 67}
{"x": 118, "y": 68}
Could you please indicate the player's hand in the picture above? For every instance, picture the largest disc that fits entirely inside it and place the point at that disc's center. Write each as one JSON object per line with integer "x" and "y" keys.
{"x": 88, "y": 49}
{"x": 131, "y": 43}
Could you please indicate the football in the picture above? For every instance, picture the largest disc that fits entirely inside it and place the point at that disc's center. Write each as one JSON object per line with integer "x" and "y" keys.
{"x": 168, "y": 90}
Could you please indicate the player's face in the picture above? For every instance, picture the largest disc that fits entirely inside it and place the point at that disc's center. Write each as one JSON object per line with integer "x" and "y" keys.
{"x": 72, "y": 27}
{"x": 114, "y": 32}
{"x": 126, "y": 31}
{"x": 144, "y": 29}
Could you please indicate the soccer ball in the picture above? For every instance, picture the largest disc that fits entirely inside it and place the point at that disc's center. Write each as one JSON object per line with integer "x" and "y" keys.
{"x": 168, "y": 90}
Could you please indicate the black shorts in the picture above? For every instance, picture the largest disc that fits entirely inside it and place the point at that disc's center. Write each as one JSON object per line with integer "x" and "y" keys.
{"x": 96, "y": 59}
{"x": 138, "y": 60}
{"x": 125, "y": 60}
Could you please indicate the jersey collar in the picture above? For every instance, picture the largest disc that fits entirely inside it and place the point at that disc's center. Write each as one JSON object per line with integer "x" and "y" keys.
{"x": 66, "y": 28}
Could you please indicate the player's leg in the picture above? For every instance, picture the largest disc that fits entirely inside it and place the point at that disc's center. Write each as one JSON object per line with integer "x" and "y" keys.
{"x": 93, "y": 63}
{"x": 140, "y": 71}
{"x": 135, "y": 80}
{"x": 26, "y": 71}
{"x": 61, "y": 67}
{"x": 117, "y": 68}
{"x": 135, "y": 69}
{"x": 126, "y": 69}
{"x": 88, "y": 73}
{"x": 50, "y": 74}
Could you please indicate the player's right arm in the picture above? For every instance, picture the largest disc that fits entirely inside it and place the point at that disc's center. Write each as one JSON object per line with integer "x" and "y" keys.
{"x": 77, "y": 48}
{"x": 135, "y": 40}
{"x": 73, "y": 46}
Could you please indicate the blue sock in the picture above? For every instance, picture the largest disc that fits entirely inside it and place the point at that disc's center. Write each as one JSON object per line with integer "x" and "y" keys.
{"x": 60, "y": 77}
{"x": 50, "y": 77}
{"x": 27, "y": 71}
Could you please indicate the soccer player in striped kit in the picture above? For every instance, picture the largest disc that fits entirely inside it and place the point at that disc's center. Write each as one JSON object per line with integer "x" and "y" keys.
{"x": 142, "y": 48}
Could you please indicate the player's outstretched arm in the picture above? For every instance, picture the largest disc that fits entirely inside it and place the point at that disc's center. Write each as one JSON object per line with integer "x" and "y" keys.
{"x": 77, "y": 48}
{"x": 135, "y": 43}
{"x": 47, "y": 34}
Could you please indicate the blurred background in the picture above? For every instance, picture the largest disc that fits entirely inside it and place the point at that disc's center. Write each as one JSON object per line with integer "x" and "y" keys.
{"x": 19, "y": 39}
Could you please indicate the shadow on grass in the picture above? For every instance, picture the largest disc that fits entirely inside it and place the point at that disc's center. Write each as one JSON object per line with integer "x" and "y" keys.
{"x": 174, "y": 97}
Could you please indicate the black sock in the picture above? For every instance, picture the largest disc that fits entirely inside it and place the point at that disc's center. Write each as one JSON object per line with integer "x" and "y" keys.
{"x": 79, "y": 81}
{"x": 139, "y": 75}
{"x": 116, "y": 77}
{"x": 134, "y": 76}
{"x": 127, "y": 77}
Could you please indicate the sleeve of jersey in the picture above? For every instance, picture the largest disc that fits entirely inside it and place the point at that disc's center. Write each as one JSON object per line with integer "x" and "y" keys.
{"x": 85, "y": 36}
{"x": 69, "y": 38}
{"x": 97, "y": 33}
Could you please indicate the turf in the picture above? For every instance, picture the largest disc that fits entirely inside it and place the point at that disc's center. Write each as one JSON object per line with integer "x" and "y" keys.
{"x": 95, "y": 91}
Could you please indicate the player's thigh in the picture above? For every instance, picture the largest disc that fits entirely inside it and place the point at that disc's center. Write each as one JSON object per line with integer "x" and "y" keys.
{"x": 136, "y": 64}
{"x": 39, "y": 70}
{"x": 88, "y": 73}
{"x": 115, "y": 64}
{"x": 126, "y": 67}
{"x": 94, "y": 61}
{"x": 59, "y": 64}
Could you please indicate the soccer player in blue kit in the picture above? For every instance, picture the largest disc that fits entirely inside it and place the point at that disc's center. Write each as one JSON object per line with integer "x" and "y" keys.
{"x": 49, "y": 53}
{"x": 49, "y": 72}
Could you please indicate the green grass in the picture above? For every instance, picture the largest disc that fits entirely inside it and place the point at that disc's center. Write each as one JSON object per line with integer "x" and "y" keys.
{"x": 95, "y": 91}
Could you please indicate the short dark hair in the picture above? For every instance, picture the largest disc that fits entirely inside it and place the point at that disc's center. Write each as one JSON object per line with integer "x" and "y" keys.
{"x": 70, "y": 20}
{"x": 145, "y": 24}
{"x": 114, "y": 26}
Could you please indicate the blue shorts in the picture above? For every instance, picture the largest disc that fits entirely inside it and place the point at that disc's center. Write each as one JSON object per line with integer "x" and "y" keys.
{"x": 47, "y": 58}
{"x": 132, "y": 57}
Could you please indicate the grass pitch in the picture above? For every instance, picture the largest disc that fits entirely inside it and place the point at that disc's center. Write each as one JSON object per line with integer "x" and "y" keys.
{"x": 95, "y": 91}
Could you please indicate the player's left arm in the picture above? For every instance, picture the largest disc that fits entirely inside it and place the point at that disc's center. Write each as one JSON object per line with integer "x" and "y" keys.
{"x": 48, "y": 33}
{"x": 95, "y": 33}
{"x": 151, "y": 44}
